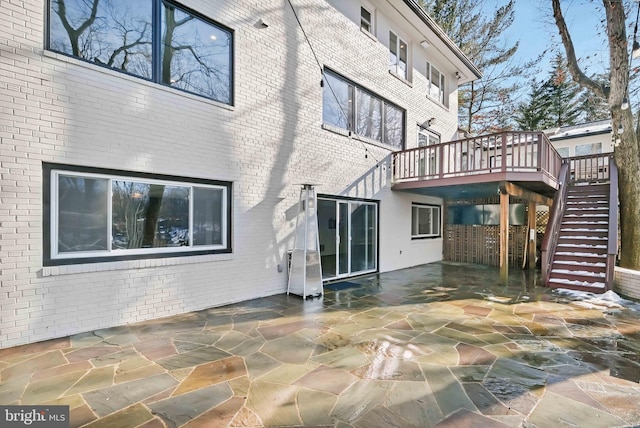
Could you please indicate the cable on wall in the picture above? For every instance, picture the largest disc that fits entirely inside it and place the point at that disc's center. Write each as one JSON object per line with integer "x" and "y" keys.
{"x": 315, "y": 56}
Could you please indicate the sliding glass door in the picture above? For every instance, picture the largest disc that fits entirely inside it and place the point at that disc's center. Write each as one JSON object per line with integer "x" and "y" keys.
{"x": 348, "y": 233}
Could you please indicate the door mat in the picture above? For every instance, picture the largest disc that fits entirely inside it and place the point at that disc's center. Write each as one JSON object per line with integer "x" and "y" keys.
{"x": 341, "y": 285}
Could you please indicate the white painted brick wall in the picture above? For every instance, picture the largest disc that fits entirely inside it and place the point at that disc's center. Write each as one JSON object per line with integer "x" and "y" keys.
{"x": 57, "y": 109}
{"x": 627, "y": 282}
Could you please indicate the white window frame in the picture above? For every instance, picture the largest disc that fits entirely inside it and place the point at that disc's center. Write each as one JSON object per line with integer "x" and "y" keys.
{"x": 396, "y": 49}
{"x": 429, "y": 210}
{"x": 428, "y": 159}
{"x": 436, "y": 92}
{"x": 369, "y": 22}
{"x": 56, "y": 257}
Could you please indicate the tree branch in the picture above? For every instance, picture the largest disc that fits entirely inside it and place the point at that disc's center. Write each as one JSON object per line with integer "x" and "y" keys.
{"x": 572, "y": 61}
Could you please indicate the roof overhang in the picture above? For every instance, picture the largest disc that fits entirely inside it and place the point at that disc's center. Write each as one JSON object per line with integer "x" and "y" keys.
{"x": 467, "y": 69}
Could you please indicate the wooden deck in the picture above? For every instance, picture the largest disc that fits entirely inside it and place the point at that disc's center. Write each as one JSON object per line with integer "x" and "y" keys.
{"x": 472, "y": 167}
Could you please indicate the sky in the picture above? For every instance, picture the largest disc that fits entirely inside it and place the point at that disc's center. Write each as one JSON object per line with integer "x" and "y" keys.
{"x": 535, "y": 29}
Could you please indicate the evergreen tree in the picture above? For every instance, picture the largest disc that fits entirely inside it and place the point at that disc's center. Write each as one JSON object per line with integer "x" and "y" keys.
{"x": 562, "y": 93}
{"x": 533, "y": 115}
{"x": 480, "y": 34}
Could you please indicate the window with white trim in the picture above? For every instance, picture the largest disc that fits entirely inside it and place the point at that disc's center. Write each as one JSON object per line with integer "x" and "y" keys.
{"x": 398, "y": 53}
{"x": 436, "y": 84}
{"x": 427, "y": 158}
{"x": 102, "y": 215}
{"x": 348, "y": 106}
{"x": 366, "y": 20}
{"x": 425, "y": 221}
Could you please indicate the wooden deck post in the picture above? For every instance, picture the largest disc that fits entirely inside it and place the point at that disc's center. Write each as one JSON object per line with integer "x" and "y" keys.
{"x": 504, "y": 235}
{"x": 532, "y": 237}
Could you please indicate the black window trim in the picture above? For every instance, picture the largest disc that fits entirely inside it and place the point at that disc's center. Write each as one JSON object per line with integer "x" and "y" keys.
{"x": 352, "y": 120}
{"x": 155, "y": 50}
{"x": 48, "y": 168}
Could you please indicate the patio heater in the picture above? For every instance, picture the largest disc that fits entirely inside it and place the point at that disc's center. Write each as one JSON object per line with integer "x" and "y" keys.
{"x": 305, "y": 273}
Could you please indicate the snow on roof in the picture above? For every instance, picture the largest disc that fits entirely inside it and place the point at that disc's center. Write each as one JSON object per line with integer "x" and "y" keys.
{"x": 596, "y": 127}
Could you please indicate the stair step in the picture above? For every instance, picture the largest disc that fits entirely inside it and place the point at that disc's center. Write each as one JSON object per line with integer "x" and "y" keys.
{"x": 577, "y": 285}
{"x": 597, "y": 210}
{"x": 579, "y": 268}
{"x": 581, "y": 241}
{"x": 583, "y": 266}
{"x": 582, "y": 205}
{"x": 586, "y": 218}
{"x": 577, "y": 248}
{"x": 580, "y": 234}
{"x": 579, "y": 257}
{"x": 602, "y": 188}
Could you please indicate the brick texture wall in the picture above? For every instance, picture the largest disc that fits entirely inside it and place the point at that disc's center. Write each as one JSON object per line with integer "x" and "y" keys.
{"x": 58, "y": 109}
{"x": 627, "y": 282}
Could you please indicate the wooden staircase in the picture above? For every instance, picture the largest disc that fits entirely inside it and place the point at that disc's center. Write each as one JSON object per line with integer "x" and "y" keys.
{"x": 582, "y": 242}
{"x": 581, "y": 252}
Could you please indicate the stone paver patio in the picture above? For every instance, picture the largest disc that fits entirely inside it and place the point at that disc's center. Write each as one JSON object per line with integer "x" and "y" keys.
{"x": 435, "y": 345}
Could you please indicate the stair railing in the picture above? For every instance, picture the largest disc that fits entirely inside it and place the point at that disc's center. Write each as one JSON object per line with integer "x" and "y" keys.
{"x": 550, "y": 240}
{"x": 612, "y": 244}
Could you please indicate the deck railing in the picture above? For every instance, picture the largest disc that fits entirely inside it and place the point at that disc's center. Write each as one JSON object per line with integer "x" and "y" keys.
{"x": 590, "y": 167}
{"x": 550, "y": 240}
{"x": 494, "y": 153}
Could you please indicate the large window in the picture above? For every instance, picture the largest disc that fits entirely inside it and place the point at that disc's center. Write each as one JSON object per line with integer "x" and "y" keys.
{"x": 350, "y": 107}
{"x": 397, "y": 55}
{"x": 425, "y": 221}
{"x": 98, "y": 215}
{"x": 152, "y": 39}
{"x": 436, "y": 83}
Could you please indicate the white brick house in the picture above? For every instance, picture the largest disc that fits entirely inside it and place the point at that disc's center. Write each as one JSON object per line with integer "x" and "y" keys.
{"x": 224, "y": 120}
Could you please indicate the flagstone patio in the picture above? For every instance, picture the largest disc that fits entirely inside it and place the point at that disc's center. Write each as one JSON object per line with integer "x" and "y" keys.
{"x": 436, "y": 345}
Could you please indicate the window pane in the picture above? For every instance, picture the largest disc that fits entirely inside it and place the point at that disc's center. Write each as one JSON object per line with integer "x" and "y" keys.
{"x": 394, "y": 126}
{"x": 149, "y": 215}
{"x": 424, "y": 221}
{"x": 369, "y": 116}
{"x": 402, "y": 64}
{"x": 208, "y": 224}
{"x": 337, "y": 98}
{"x": 436, "y": 221}
{"x": 588, "y": 149}
{"x": 365, "y": 19}
{"x": 196, "y": 55}
{"x": 434, "y": 87}
{"x": 115, "y": 33}
{"x": 393, "y": 52}
{"x": 82, "y": 214}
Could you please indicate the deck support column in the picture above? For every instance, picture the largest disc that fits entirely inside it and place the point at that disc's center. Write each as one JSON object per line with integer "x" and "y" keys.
{"x": 532, "y": 236}
{"x": 504, "y": 235}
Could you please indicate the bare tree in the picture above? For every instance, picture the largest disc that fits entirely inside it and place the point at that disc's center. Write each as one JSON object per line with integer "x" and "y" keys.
{"x": 615, "y": 90}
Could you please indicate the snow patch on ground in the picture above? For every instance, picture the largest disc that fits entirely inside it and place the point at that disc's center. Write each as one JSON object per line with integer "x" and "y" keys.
{"x": 604, "y": 301}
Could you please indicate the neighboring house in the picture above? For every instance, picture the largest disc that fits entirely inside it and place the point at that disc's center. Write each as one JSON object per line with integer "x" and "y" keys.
{"x": 152, "y": 152}
{"x": 581, "y": 140}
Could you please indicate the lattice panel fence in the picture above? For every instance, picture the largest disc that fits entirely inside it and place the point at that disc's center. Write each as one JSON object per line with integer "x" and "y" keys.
{"x": 481, "y": 244}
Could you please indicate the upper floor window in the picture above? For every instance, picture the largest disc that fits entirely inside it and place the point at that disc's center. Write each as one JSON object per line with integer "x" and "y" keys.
{"x": 398, "y": 55}
{"x": 347, "y": 106}
{"x": 100, "y": 215}
{"x": 152, "y": 39}
{"x": 436, "y": 81}
{"x": 366, "y": 20}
